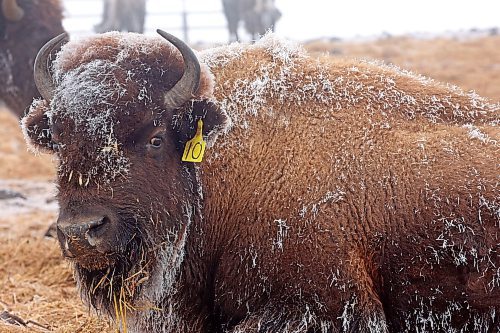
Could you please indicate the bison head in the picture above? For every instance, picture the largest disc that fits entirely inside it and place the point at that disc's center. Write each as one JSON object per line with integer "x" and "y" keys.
{"x": 117, "y": 111}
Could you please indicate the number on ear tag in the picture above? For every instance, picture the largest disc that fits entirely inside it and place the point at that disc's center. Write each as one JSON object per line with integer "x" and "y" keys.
{"x": 195, "y": 148}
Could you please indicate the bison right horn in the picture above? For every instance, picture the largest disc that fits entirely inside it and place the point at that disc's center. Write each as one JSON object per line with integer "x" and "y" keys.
{"x": 11, "y": 10}
{"x": 42, "y": 74}
{"x": 185, "y": 88}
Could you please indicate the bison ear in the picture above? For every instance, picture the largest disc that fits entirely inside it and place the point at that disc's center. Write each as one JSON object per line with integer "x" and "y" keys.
{"x": 214, "y": 121}
{"x": 36, "y": 127}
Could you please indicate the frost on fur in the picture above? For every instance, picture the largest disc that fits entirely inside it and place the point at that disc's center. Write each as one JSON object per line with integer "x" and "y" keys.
{"x": 33, "y": 136}
{"x": 294, "y": 78}
{"x": 95, "y": 87}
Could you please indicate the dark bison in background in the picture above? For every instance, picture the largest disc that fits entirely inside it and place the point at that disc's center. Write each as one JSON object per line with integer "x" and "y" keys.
{"x": 25, "y": 26}
{"x": 122, "y": 15}
{"x": 334, "y": 195}
{"x": 258, "y": 16}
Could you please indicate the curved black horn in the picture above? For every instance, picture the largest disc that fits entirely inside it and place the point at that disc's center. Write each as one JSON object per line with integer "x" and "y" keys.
{"x": 11, "y": 10}
{"x": 185, "y": 88}
{"x": 42, "y": 75}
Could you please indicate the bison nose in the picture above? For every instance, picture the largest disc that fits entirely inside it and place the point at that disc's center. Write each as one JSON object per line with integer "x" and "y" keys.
{"x": 76, "y": 234}
{"x": 83, "y": 229}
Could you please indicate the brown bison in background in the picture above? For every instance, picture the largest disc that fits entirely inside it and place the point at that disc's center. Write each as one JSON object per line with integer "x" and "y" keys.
{"x": 122, "y": 15}
{"x": 25, "y": 26}
{"x": 335, "y": 195}
{"x": 258, "y": 17}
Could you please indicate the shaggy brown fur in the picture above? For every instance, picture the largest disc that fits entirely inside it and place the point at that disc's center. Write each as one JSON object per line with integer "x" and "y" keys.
{"x": 340, "y": 196}
{"x": 19, "y": 44}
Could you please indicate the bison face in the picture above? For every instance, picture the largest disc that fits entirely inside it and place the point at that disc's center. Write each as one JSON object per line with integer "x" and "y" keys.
{"x": 126, "y": 199}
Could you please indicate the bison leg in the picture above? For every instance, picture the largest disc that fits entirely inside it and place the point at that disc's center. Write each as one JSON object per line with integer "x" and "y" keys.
{"x": 232, "y": 14}
{"x": 363, "y": 310}
{"x": 279, "y": 318}
{"x": 362, "y": 316}
{"x": 303, "y": 319}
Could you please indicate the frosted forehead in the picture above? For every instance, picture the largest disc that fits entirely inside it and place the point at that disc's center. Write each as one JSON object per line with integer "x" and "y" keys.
{"x": 97, "y": 76}
{"x": 120, "y": 46}
{"x": 102, "y": 73}
{"x": 105, "y": 83}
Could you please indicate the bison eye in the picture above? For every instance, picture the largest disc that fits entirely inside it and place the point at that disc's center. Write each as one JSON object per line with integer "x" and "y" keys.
{"x": 156, "y": 142}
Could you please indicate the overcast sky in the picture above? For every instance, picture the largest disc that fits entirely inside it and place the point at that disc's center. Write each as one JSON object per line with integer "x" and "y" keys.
{"x": 310, "y": 19}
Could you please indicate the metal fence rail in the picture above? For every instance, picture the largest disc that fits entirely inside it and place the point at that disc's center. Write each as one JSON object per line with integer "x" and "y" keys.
{"x": 194, "y": 20}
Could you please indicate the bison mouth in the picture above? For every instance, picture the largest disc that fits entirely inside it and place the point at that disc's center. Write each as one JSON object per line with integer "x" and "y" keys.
{"x": 137, "y": 261}
{"x": 101, "y": 279}
{"x": 109, "y": 259}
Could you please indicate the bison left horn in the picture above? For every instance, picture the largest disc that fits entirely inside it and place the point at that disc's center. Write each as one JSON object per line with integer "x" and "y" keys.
{"x": 185, "y": 88}
{"x": 42, "y": 74}
{"x": 11, "y": 10}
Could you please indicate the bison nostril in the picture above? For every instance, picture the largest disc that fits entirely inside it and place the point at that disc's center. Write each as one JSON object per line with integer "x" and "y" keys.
{"x": 83, "y": 229}
{"x": 94, "y": 225}
{"x": 96, "y": 228}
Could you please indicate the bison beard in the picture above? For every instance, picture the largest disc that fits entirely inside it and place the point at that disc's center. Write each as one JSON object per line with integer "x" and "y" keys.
{"x": 341, "y": 196}
{"x": 136, "y": 273}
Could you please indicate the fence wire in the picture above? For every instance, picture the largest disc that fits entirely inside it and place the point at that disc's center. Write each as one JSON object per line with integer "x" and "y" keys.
{"x": 193, "y": 20}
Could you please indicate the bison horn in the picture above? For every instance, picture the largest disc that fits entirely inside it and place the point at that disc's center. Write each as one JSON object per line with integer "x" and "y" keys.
{"x": 42, "y": 74}
{"x": 11, "y": 10}
{"x": 185, "y": 88}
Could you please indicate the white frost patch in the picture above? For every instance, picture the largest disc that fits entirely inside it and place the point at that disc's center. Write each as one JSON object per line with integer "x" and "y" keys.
{"x": 282, "y": 50}
{"x": 97, "y": 84}
{"x": 37, "y": 103}
{"x": 79, "y": 92}
{"x": 495, "y": 281}
{"x": 424, "y": 318}
{"x": 294, "y": 80}
{"x": 475, "y": 133}
{"x": 39, "y": 196}
{"x": 329, "y": 197}
{"x": 251, "y": 94}
{"x": 347, "y": 316}
{"x": 376, "y": 324}
{"x": 281, "y": 233}
{"x": 222, "y": 55}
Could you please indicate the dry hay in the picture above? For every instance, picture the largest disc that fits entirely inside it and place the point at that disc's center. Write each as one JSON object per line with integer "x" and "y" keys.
{"x": 471, "y": 64}
{"x": 37, "y": 285}
{"x": 16, "y": 160}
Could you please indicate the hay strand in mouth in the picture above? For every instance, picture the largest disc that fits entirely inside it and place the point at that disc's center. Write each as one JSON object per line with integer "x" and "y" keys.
{"x": 120, "y": 306}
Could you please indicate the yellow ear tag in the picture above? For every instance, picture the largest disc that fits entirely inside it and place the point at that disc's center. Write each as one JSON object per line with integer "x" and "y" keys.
{"x": 195, "y": 148}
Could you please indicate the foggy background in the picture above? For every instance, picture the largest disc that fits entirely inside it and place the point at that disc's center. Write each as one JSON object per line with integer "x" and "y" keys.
{"x": 306, "y": 20}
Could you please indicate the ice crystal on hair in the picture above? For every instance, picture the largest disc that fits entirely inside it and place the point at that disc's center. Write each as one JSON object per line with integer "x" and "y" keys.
{"x": 475, "y": 133}
{"x": 293, "y": 78}
{"x": 79, "y": 92}
{"x": 219, "y": 56}
{"x": 35, "y": 149}
{"x": 281, "y": 49}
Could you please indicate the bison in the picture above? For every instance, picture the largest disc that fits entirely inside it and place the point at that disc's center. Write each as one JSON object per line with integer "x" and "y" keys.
{"x": 259, "y": 16}
{"x": 333, "y": 196}
{"x": 122, "y": 15}
{"x": 25, "y": 26}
